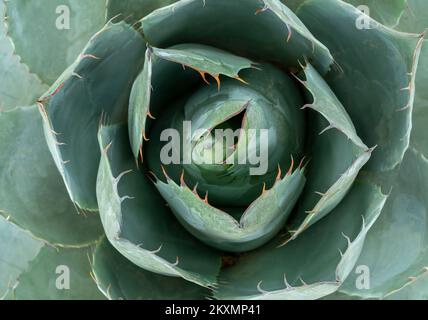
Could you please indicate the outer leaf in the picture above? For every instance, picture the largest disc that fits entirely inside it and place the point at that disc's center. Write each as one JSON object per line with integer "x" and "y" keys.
{"x": 119, "y": 278}
{"x": 273, "y": 34}
{"x": 137, "y": 222}
{"x": 396, "y": 250}
{"x": 134, "y": 10}
{"x": 32, "y": 193}
{"x": 62, "y": 274}
{"x": 415, "y": 19}
{"x": 387, "y": 12}
{"x": 17, "y": 249}
{"x": 336, "y": 157}
{"x": 17, "y": 85}
{"x": 273, "y": 272}
{"x": 376, "y": 80}
{"x": 67, "y": 24}
{"x": 95, "y": 88}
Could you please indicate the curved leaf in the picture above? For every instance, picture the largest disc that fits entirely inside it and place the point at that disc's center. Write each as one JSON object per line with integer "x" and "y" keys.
{"x": 94, "y": 89}
{"x": 17, "y": 249}
{"x": 137, "y": 222}
{"x": 415, "y": 19}
{"x": 387, "y": 12}
{"x": 134, "y": 10}
{"x": 32, "y": 193}
{"x": 375, "y": 81}
{"x": 316, "y": 263}
{"x": 18, "y": 86}
{"x": 260, "y": 222}
{"x": 336, "y": 156}
{"x": 204, "y": 59}
{"x": 396, "y": 249}
{"x": 119, "y": 278}
{"x": 58, "y": 274}
{"x": 67, "y": 25}
{"x": 274, "y": 33}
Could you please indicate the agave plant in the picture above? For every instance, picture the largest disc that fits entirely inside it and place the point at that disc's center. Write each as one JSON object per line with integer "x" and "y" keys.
{"x": 90, "y": 210}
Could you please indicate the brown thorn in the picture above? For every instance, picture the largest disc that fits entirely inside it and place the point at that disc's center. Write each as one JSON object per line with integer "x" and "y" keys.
{"x": 150, "y": 115}
{"x": 182, "y": 182}
{"x": 278, "y": 177}
{"x": 206, "y": 198}
{"x": 217, "y": 79}
{"x": 241, "y": 80}
{"x": 152, "y": 174}
{"x": 141, "y": 154}
{"x": 144, "y": 137}
{"x": 202, "y": 73}
{"x": 264, "y": 188}
{"x": 291, "y": 166}
{"x": 107, "y": 147}
{"x": 164, "y": 172}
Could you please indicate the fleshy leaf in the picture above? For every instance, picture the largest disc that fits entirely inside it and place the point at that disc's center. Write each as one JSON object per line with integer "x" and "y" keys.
{"x": 95, "y": 88}
{"x": 133, "y": 10}
{"x": 274, "y": 33}
{"x": 204, "y": 59}
{"x": 137, "y": 222}
{"x": 58, "y": 274}
{"x": 387, "y": 12}
{"x": 32, "y": 193}
{"x": 119, "y": 278}
{"x": 260, "y": 222}
{"x": 35, "y": 27}
{"x": 336, "y": 156}
{"x": 415, "y": 19}
{"x": 17, "y": 85}
{"x": 396, "y": 249}
{"x": 237, "y": 106}
{"x": 17, "y": 249}
{"x": 375, "y": 80}
{"x": 316, "y": 263}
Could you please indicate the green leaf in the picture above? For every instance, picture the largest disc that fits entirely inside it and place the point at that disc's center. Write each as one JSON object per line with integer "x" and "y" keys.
{"x": 137, "y": 222}
{"x": 420, "y": 115}
{"x": 414, "y": 290}
{"x": 396, "y": 249}
{"x": 375, "y": 78}
{"x": 387, "y": 12}
{"x": 134, "y": 10}
{"x": 336, "y": 156}
{"x": 204, "y": 59}
{"x": 18, "y": 86}
{"x": 415, "y": 17}
{"x": 32, "y": 193}
{"x": 260, "y": 222}
{"x": 316, "y": 263}
{"x": 236, "y": 106}
{"x": 94, "y": 89}
{"x": 17, "y": 249}
{"x": 58, "y": 274}
{"x": 119, "y": 278}
{"x": 49, "y": 35}
{"x": 274, "y": 33}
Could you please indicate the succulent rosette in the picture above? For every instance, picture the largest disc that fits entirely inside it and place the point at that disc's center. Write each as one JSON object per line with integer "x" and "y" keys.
{"x": 328, "y": 104}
